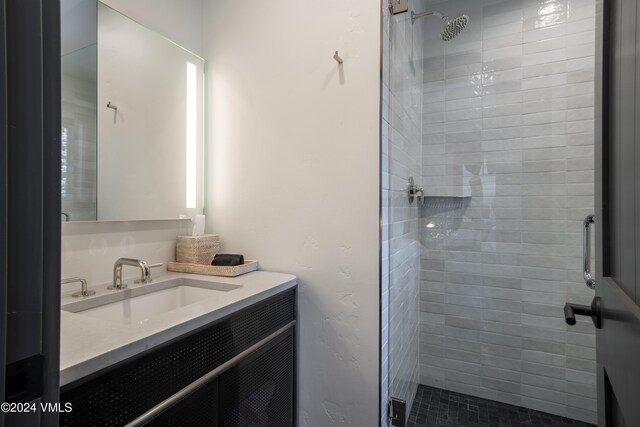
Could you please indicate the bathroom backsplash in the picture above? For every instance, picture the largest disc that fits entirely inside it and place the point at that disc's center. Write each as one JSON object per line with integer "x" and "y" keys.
{"x": 89, "y": 249}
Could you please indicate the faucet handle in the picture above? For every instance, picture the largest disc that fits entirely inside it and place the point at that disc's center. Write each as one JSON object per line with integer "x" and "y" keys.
{"x": 84, "y": 289}
{"x": 149, "y": 279}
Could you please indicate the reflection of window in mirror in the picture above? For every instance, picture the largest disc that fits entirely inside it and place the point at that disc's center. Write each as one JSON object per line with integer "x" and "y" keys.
{"x": 78, "y": 137}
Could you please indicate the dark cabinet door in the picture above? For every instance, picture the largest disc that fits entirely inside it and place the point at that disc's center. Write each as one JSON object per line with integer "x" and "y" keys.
{"x": 259, "y": 390}
{"x": 30, "y": 119}
{"x": 252, "y": 352}
{"x": 618, "y": 213}
{"x": 199, "y": 409}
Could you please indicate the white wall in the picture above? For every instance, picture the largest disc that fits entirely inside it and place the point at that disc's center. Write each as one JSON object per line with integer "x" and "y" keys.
{"x": 293, "y": 178}
{"x": 180, "y": 21}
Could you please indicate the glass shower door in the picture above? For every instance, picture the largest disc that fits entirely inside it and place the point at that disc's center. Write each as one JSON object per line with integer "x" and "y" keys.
{"x": 496, "y": 125}
{"x": 401, "y": 161}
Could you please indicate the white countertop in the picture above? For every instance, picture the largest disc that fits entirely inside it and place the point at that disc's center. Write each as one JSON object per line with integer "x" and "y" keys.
{"x": 89, "y": 344}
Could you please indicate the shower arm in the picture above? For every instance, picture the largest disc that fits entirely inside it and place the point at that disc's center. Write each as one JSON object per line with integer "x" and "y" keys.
{"x": 415, "y": 16}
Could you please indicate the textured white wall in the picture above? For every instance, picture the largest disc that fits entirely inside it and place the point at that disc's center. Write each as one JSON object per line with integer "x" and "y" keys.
{"x": 293, "y": 178}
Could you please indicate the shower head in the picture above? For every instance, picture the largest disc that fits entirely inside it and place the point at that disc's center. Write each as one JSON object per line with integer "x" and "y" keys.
{"x": 452, "y": 27}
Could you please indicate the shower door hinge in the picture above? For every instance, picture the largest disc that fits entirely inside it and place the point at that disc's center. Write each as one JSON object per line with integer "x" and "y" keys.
{"x": 398, "y": 6}
{"x": 397, "y": 410}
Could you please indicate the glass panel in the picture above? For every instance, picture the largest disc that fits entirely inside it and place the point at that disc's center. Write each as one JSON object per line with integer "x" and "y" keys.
{"x": 497, "y": 125}
{"x": 402, "y": 159}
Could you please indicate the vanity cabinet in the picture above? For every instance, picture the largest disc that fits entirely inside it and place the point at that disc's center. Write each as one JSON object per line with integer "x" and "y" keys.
{"x": 237, "y": 371}
{"x": 199, "y": 408}
{"x": 258, "y": 390}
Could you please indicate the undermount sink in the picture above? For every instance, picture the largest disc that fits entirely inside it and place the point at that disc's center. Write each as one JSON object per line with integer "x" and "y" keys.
{"x": 132, "y": 309}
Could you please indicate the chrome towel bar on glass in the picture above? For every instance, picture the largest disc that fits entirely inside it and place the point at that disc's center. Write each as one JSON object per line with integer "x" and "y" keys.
{"x": 586, "y": 252}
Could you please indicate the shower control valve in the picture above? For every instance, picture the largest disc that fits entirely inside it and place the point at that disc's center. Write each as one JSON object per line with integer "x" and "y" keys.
{"x": 415, "y": 192}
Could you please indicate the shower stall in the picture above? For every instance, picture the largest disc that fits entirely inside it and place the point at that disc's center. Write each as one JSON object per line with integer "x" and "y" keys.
{"x": 487, "y": 176}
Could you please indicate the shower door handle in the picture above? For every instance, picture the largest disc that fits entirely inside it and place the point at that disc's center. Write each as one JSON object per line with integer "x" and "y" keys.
{"x": 593, "y": 311}
{"x": 586, "y": 252}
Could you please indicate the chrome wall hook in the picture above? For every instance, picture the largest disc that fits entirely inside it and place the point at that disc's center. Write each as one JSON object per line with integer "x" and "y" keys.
{"x": 115, "y": 111}
{"x": 337, "y": 58}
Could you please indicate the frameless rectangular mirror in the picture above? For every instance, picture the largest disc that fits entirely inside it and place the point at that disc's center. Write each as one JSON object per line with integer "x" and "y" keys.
{"x": 133, "y": 112}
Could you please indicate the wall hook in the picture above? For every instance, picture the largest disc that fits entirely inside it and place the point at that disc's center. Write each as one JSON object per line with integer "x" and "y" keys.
{"x": 115, "y": 111}
{"x": 337, "y": 58}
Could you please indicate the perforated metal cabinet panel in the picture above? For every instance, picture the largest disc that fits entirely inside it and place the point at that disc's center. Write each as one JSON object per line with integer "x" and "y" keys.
{"x": 258, "y": 391}
{"x": 123, "y": 392}
{"x": 199, "y": 409}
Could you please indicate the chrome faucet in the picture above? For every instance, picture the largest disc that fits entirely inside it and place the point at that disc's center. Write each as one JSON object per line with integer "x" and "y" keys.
{"x": 145, "y": 272}
{"x": 84, "y": 291}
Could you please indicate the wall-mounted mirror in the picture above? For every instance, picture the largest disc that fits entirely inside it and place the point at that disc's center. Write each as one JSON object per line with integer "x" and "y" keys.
{"x": 133, "y": 127}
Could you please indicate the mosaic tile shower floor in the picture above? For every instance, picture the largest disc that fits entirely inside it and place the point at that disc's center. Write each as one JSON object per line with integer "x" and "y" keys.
{"x": 436, "y": 407}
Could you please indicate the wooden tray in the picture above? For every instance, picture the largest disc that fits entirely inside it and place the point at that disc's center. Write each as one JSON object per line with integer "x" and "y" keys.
{"x": 213, "y": 270}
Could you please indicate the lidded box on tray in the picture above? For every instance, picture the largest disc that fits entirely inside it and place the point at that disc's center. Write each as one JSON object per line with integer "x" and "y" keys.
{"x": 197, "y": 249}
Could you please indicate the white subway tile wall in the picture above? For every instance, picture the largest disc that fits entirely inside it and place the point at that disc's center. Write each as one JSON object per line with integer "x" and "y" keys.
{"x": 508, "y": 119}
{"x": 401, "y": 135}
